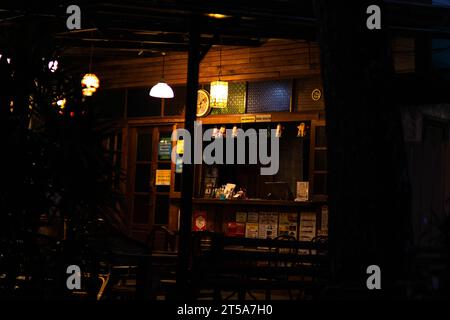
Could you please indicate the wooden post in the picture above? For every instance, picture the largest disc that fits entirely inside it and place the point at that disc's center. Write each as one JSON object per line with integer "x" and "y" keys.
{"x": 184, "y": 247}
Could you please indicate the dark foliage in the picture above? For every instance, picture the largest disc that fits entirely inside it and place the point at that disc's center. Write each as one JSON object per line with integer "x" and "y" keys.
{"x": 55, "y": 181}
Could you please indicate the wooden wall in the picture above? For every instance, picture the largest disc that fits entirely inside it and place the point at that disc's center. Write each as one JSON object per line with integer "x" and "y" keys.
{"x": 276, "y": 59}
{"x": 404, "y": 55}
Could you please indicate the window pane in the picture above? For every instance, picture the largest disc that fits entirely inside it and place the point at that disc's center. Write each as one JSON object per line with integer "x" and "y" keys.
{"x": 176, "y": 105}
{"x": 144, "y": 147}
{"x": 141, "y": 209}
{"x": 162, "y": 209}
{"x": 142, "y": 179}
{"x": 320, "y": 160}
{"x": 109, "y": 104}
{"x": 141, "y": 104}
{"x": 321, "y": 137}
{"x": 320, "y": 183}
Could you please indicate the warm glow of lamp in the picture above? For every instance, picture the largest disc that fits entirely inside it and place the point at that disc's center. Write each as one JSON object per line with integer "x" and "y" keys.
{"x": 90, "y": 83}
{"x": 219, "y": 94}
{"x": 219, "y": 90}
{"x": 218, "y": 15}
{"x": 162, "y": 89}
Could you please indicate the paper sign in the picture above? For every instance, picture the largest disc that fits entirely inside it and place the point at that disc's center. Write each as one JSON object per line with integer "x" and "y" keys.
{"x": 302, "y": 191}
{"x": 180, "y": 146}
{"x": 252, "y": 217}
{"x": 307, "y": 226}
{"x": 163, "y": 177}
{"x": 263, "y": 118}
{"x": 288, "y": 224}
{"x": 164, "y": 149}
{"x": 251, "y": 230}
{"x": 246, "y": 119}
{"x": 268, "y": 225}
{"x": 241, "y": 217}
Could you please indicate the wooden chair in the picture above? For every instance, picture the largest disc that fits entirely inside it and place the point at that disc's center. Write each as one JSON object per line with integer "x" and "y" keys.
{"x": 280, "y": 251}
{"x": 162, "y": 241}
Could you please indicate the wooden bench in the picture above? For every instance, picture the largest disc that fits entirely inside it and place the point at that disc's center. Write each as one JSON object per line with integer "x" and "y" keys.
{"x": 242, "y": 265}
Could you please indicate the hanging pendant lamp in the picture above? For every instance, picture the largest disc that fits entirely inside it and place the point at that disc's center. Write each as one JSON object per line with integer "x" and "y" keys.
{"x": 219, "y": 89}
{"x": 162, "y": 89}
{"x": 90, "y": 82}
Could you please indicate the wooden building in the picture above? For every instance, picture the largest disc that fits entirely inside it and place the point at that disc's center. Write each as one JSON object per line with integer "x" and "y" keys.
{"x": 330, "y": 87}
{"x": 256, "y": 75}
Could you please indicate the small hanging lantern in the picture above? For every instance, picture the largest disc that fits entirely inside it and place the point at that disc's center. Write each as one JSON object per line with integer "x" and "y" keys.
{"x": 219, "y": 94}
{"x": 90, "y": 83}
{"x": 219, "y": 90}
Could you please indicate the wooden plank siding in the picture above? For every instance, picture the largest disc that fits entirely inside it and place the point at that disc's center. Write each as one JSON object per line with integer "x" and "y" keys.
{"x": 275, "y": 59}
{"x": 403, "y": 54}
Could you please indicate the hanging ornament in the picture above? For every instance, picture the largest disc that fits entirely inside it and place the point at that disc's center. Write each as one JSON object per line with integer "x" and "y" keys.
{"x": 215, "y": 132}
{"x": 234, "y": 132}
{"x": 301, "y": 130}
{"x": 278, "y": 131}
{"x": 222, "y": 132}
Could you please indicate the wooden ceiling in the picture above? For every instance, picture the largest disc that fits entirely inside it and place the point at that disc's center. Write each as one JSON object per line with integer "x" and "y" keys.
{"x": 114, "y": 29}
{"x": 125, "y": 29}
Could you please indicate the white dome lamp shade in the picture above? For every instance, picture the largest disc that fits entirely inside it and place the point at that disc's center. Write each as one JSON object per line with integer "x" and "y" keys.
{"x": 162, "y": 89}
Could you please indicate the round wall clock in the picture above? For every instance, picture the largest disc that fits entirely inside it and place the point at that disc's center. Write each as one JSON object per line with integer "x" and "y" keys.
{"x": 203, "y": 107}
